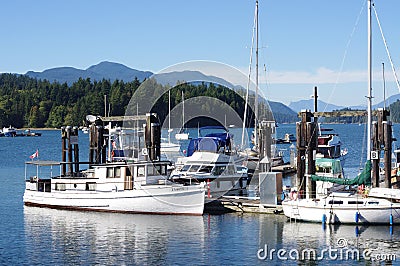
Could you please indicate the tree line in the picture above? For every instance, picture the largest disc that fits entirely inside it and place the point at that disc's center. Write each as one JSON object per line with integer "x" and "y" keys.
{"x": 32, "y": 103}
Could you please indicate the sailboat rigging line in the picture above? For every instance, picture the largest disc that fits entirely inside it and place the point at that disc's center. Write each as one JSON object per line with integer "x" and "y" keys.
{"x": 249, "y": 78}
{"x": 387, "y": 49}
{"x": 345, "y": 54}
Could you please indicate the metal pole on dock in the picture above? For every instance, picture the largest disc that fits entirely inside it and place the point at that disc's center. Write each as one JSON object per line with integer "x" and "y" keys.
{"x": 75, "y": 133}
{"x": 63, "y": 151}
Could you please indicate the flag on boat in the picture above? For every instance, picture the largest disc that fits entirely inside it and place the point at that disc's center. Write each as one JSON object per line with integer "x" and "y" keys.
{"x": 35, "y": 155}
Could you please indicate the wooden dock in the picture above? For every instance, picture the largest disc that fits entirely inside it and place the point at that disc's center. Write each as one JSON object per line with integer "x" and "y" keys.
{"x": 241, "y": 204}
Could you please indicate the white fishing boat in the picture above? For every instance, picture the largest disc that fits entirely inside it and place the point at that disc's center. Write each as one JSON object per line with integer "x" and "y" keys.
{"x": 220, "y": 173}
{"x": 131, "y": 180}
{"x": 377, "y": 205}
{"x": 210, "y": 159}
{"x": 9, "y": 131}
{"x": 329, "y": 145}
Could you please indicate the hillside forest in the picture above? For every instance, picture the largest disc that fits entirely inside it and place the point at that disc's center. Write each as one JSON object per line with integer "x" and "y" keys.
{"x": 30, "y": 103}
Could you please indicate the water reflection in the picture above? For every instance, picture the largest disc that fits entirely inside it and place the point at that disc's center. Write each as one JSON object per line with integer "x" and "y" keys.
{"x": 72, "y": 237}
{"x": 346, "y": 242}
{"x": 56, "y": 237}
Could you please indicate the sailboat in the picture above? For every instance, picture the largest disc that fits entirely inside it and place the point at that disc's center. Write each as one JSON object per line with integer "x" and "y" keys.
{"x": 258, "y": 159}
{"x": 375, "y": 205}
{"x": 169, "y": 147}
{"x": 182, "y": 135}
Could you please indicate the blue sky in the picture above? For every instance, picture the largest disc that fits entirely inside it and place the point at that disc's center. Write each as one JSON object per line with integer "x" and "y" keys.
{"x": 302, "y": 42}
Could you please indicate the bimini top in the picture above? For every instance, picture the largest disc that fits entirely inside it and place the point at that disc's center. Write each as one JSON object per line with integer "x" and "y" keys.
{"x": 216, "y": 138}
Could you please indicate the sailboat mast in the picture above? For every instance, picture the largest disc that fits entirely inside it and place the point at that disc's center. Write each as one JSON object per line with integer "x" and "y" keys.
{"x": 256, "y": 96}
{"x": 369, "y": 106}
{"x": 183, "y": 111}
{"x": 169, "y": 116}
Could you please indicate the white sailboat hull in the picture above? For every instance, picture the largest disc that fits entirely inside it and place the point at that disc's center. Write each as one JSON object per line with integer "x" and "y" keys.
{"x": 344, "y": 209}
{"x": 152, "y": 199}
{"x": 182, "y": 136}
{"x": 170, "y": 147}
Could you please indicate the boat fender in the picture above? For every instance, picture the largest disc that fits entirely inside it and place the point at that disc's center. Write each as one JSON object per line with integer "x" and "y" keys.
{"x": 283, "y": 196}
{"x": 357, "y": 217}
{"x": 391, "y": 219}
{"x": 361, "y": 189}
{"x": 324, "y": 218}
{"x": 293, "y": 195}
{"x": 332, "y": 218}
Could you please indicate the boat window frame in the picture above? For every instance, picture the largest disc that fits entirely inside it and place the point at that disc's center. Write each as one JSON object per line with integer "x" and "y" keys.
{"x": 185, "y": 167}
{"x": 194, "y": 168}
{"x": 115, "y": 170}
{"x": 141, "y": 170}
{"x": 207, "y": 168}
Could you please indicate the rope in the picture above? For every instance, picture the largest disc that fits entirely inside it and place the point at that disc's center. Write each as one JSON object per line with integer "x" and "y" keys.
{"x": 345, "y": 53}
{"x": 387, "y": 49}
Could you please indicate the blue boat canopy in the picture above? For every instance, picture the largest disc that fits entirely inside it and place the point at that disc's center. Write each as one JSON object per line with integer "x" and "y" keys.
{"x": 212, "y": 142}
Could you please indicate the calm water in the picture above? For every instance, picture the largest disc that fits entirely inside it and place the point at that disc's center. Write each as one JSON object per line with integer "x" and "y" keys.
{"x": 35, "y": 236}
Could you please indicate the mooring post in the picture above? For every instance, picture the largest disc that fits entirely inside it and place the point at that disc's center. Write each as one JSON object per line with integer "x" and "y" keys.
{"x": 387, "y": 133}
{"x": 69, "y": 145}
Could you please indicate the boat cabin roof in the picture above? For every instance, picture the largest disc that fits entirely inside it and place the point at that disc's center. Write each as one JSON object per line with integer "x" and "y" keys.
{"x": 43, "y": 163}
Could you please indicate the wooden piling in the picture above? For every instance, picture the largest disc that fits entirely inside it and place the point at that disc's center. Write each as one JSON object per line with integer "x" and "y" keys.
{"x": 387, "y": 135}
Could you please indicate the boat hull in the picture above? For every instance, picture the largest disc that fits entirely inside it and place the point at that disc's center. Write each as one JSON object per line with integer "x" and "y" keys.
{"x": 152, "y": 199}
{"x": 369, "y": 211}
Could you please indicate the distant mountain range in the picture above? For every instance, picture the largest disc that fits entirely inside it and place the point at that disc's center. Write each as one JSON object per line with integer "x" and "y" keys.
{"x": 112, "y": 71}
{"x": 327, "y": 107}
{"x": 103, "y": 70}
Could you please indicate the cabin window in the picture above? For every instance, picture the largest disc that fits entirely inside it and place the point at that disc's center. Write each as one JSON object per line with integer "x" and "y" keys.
{"x": 373, "y": 202}
{"x": 161, "y": 169}
{"x": 117, "y": 172}
{"x": 113, "y": 172}
{"x": 194, "y": 168}
{"x": 110, "y": 172}
{"x": 355, "y": 202}
{"x": 218, "y": 170}
{"x": 141, "y": 171}
{"x": 231, "y": 170}
{"x": 60, "y": 186}
{"x": 44, "y": 186}
{"x": 185, "y": 168}
{"x": 205, "y": 169}
{"x": 335, "y": 202}
{"x": 153, "y": 170}
{"x": 91, "y": 186}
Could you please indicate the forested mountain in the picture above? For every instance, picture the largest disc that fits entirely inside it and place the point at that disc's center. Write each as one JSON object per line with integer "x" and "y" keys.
{"x": 28, "y": 102}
